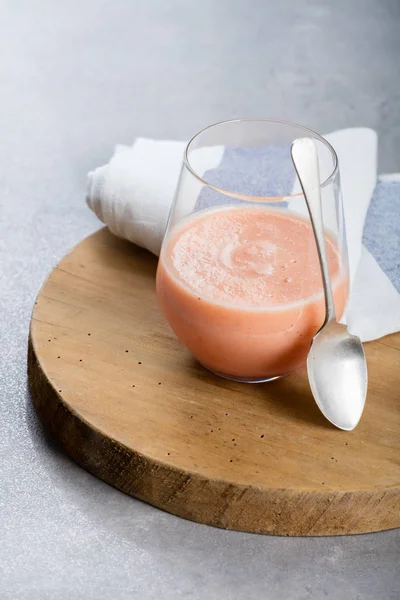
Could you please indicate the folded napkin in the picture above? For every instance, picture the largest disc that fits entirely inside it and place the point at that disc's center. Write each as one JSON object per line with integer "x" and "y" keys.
{"x": 133, "y": 193}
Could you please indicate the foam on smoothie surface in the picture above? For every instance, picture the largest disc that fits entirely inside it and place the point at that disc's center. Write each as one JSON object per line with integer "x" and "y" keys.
{"x": 247, "y": 256}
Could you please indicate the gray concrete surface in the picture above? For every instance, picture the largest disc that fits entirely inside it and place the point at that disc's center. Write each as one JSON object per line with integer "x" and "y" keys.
{"x": 75, "y": 78}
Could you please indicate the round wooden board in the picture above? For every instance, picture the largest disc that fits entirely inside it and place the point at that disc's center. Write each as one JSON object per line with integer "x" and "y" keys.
{"x": 129, "y": 404}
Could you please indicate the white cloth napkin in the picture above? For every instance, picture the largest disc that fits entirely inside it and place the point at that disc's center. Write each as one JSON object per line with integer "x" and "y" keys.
{"x": 133, "y": 194}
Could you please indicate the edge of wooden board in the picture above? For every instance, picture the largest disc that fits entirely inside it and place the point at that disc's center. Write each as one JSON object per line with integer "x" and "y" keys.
{"x": 271, "y": 511}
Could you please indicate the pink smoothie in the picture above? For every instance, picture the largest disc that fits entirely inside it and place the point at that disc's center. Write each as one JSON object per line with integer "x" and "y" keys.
{"x": 242, "y": 289}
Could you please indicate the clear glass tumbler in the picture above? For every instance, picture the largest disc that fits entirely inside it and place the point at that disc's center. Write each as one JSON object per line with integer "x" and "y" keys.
{"x": 238, "y": 278}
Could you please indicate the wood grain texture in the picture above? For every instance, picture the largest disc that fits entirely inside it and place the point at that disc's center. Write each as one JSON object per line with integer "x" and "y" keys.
{"x": 128, "y": 403}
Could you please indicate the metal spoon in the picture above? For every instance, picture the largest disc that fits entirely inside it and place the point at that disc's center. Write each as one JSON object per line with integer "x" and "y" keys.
{"x": 336, "y": 364}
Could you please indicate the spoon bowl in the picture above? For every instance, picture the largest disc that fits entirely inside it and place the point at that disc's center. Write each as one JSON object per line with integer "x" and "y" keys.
{"x": 338, "y": 376}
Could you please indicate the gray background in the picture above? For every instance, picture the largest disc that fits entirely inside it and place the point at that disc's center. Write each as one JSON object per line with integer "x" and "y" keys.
{"x": 77, "y": 76}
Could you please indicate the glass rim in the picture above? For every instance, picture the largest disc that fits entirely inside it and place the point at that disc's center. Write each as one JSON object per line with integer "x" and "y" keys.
{"x": 249, "y": 197}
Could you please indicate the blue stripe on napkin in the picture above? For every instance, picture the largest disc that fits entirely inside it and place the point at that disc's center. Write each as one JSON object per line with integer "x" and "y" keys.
{"x": 265, "y": 171}
{"x": 382, "y": 229}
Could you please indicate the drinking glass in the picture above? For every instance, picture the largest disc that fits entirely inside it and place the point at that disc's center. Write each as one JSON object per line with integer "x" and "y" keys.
{"x": 239, "y": 280}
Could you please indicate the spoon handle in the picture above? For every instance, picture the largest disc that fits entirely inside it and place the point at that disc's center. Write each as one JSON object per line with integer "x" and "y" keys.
{"x": 305, "y": 160}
